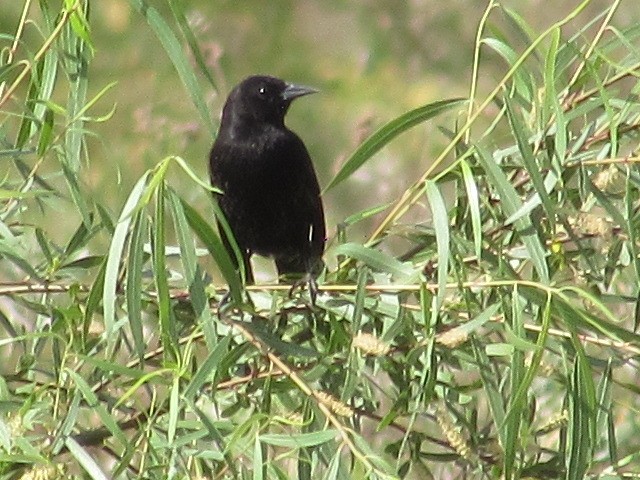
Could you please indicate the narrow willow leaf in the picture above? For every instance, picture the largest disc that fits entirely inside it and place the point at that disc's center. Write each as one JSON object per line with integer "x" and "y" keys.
{"x": 499, "y": 350}
{"x": 512, "y": 203}
{"x": 521, "y": 80}
{"x": 178, "y": 10}
{"x": 63, "y": 432}
{"x": 299, "y": 440}
{"x": 363, "y": 276}
{"x": 194, "y": 175}
{"x": 95, "y": 296}
{"x": 526, "y": 152}
{"x": 550, "y": 181}
{"x": 474, "y": 206}
{"x": 387, "y": 133}
{"x": 375, "y": 457}
{"x": 367, "y": 213}
{"x": 97, "y": 407}
{"x": 552, "y": 98}
{"x": 79, "y": 199}
{"x": 80, "y": 24}
{"x": 192, "y": 271}
{"x": 334, "y": 467}
{"x": 165, "y": 312}
{"x": 515, "y": 416}
{"x": 630, "y": 197}
{"x": 491, "y": 387}
{"x": 174, "y": 409}
{"x": 565, "y": 310}
{"x": 440, "y": 220}
{"x": 375, "y": 259}
{"x": 16, "y": 256}
{"x": 85, "y": 459}
{"x": 113, "y": 367}
{"x": 258, "y": 462}
{"x": 43, "y": 243}
{"x": 354, "y": 361}
{"x": 134, "y": 281}
{"x": 578, "y": 456}
{"x": 605, "y": 404}
{"x": 176, "y": 53}
{"x": 28, "y": 126}
{"x": 17, "y": 194}
{"x": 277, "y": 344}
{"x": 45, "y": 132}
{"x": 483, "y": 317}
{"x": 76, "y": 62}
{"x": 115, "y": 256}
{"x": 220, "y": 440}
{"x": 207, "y": 371}
{"x": 520, "y": 397}
{"x": 214, "y": 245}
{"x": 80, "y": 238}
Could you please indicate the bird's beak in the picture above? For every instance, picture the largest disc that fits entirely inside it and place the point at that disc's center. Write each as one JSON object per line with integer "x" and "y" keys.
{"x": 294, "y": 91}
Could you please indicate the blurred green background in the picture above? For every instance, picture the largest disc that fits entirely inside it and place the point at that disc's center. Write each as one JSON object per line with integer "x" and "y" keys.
{"x": 372, "y": 60}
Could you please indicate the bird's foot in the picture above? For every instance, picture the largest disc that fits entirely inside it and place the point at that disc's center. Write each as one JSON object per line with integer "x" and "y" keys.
{"x": 310, "y": 282}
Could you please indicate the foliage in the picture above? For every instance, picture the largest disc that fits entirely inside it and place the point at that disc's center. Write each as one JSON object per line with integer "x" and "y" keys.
{"x": 502, "y": 344}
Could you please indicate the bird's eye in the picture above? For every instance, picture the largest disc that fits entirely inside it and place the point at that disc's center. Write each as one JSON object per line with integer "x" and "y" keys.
{"x": 262, "y": 90}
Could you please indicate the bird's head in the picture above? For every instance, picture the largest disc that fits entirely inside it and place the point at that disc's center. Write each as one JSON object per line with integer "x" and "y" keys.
{"x": 261, "y": 98}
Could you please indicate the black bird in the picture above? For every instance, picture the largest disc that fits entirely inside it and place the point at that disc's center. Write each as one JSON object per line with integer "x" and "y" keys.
{"x": 271, "y": 198}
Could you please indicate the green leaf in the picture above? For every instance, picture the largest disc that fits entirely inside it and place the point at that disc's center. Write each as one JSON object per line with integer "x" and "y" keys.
{"x": 552, "y": 100}
{"x": 387, "y": 133}
{"x": 474, "y": 206}
{"x": 491, "y": 387}
{"x": 176, "y": 53}
{"x": 214, "y": 245}
{"x": 85, "y": 459}
{"x": 499, "y": 350}
{"x": 526, "y": 152}
{"x": 258, "y": 462}
{"x": 208, "y": 369}
{"x": 511, "y": 202}
{"x": 115, "y": 256}
{"x": 375, "y": 259}
{"x": 174, "y": 409}
{"x": 192, "y": 271}
{"x": 292, "y": 350}
{"x": 45, "y": 132}
{"x": 440, "y": 220}
{"x": 178, "y": 10}
{"x": 579, "y": 445}
{"x": 521, "y": 79}
{"x": 167, "y": 321}
{"x": 97, "y": 407}
{"x": 134, "y": 280}
{"x": 299, "y": 440}
{"x": 366, "y": 213}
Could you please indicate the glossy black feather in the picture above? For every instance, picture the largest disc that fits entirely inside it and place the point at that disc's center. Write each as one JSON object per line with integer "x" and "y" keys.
{"x": 271, "y": 196}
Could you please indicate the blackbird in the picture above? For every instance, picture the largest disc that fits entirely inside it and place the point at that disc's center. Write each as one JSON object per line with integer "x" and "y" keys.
{"x": 270, "y": 194}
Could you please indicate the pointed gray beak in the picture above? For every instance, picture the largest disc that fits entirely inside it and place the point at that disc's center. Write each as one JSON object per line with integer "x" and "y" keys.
{"x": 294, "y": 91}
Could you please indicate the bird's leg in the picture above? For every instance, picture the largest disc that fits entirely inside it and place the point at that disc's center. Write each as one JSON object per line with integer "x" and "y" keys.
{"x": 313, "y": 289}
{"x": 224, "y": 301}
{"x": 248, "y": 271}
{"x": 305, "y": 275}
